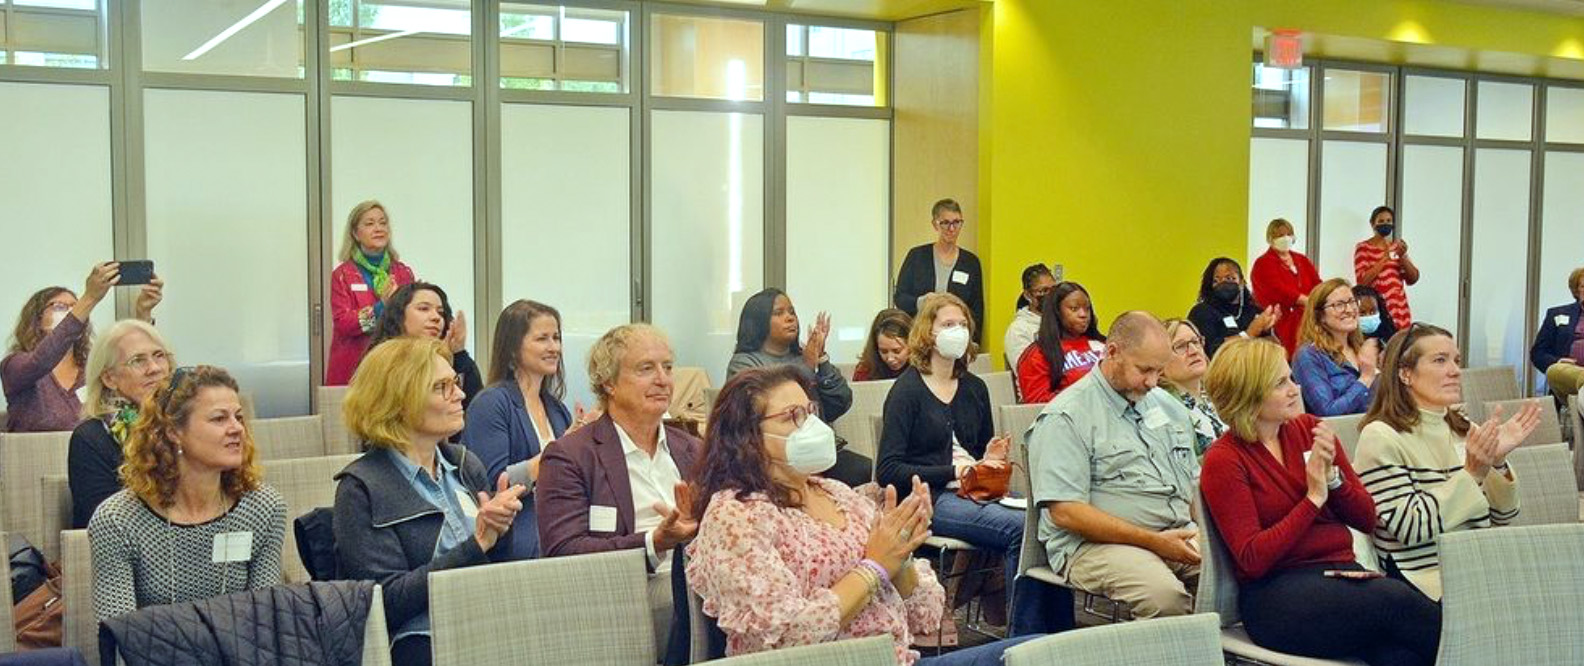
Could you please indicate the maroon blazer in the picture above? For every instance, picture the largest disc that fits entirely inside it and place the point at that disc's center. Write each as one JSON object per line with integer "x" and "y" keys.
{"x": 588, "y": 468}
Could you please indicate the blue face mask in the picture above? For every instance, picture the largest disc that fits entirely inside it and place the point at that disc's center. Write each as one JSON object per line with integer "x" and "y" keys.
{"x": 1369, "y": 323}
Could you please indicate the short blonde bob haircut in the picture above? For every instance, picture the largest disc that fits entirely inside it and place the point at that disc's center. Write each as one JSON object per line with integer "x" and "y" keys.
{"x": 106, "y": 353}
{"x": 605, "y": 357}
{"x": 390, "y": 391}
{"x": 1243, "y": 372}
{"x": 151, "y": 470}
{"x": 1274, "y": 230}
{"x": 349, "y": 241}
{"x": 1574, "y": 278}
{"x": 921, "y": 338}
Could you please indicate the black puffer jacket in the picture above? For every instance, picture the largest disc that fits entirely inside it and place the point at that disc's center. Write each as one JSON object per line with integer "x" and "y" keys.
{"x": 311, "y": 624}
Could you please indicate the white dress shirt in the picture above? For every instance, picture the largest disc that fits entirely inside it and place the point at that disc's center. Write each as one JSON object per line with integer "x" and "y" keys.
{"x": 653, "y": 479}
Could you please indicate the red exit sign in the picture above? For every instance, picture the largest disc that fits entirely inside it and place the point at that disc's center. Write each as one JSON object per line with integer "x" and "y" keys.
{"x": 1284, "y": 49}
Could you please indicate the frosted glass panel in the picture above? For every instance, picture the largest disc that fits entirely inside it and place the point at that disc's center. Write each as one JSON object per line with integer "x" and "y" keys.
{"x": 416, "y": 157}
{"x": 1352, "y": 183}
{"x": 1564, "y": 114}
{"x": 1434, "y": 106}
{"x": 707, "y": 242}
{"x": 1357, "y": 101}
{"x": 1278, "y": 187}
{"x": 564, "y": 172}
{"x": 1505, "y": 110}
{"x": 1432, "y": 226}
{"x": 238, "y": 37}
{"x": 227, "y": 227}
{"x": 838, "y": 186}
{"x": 1501, "y": 243}
{"x": 1562, "y": 226}
{"x": 57, "y": 138}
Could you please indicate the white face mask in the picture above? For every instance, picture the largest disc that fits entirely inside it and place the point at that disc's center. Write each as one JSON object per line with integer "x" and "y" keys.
{"x": 1282, "y": 243}
{"x": 952, "y": 342}
{"x": 811, "y": 448}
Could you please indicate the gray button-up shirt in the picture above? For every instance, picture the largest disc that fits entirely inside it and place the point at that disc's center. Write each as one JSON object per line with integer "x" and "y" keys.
{"x": 1134, "y": 461}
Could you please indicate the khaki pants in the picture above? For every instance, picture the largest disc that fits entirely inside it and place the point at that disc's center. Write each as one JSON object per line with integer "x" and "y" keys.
{"x": 660, "y": 610}
{"x": 1135, "y": 577}
{"x": 1565, "y": 379}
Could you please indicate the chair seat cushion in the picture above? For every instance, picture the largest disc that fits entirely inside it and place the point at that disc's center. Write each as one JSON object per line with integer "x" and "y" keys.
{"x": 1236, "y": 641}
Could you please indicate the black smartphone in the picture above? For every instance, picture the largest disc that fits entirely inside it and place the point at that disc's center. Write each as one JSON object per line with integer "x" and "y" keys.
{"x": 136, "y": 272}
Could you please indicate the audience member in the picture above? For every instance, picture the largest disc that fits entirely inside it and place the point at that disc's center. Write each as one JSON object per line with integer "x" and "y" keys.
{"x": 1429, "y": 469}
{"x": 422, "y": 310}
{"x": 937, "y": 426}
{"x": 42, "y": 372}
{"x": 1283, "y": 277}
{"x": 767, "y": 335}
{"x": 369, "y": 272}
{"x": 941, "y": 267}
{"x": 511, "y": 422}
{"x": 1184, "y": 379}
{"x": 1336, "y": 365}
{"x": 127, "y": 364}
{"x": 1113, "y": 469}
{"x": 195, "y": 519}
{"x": 618, "y": 484}
{"x": 1024, "y": 329}
{"x": 1069, "y": 345}
{"x": 786, "y": 558}
{"x": 1372, "y": 320}
{"x": 1226, "y": 309}
{"x": 1558, "y": 347}
{"x": 1282, "y": 495}
{"x": 1383, "y": 265}
{"x": 885, "y": 351}
{"x": 433, "y": 512}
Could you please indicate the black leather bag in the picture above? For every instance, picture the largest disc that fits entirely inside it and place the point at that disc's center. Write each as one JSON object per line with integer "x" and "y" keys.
{"x": 28, "y": 567}
{"x": 316, "y": 543}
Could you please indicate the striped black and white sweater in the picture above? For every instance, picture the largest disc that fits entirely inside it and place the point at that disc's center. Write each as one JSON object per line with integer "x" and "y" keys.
{"x": 1421, "y": 492}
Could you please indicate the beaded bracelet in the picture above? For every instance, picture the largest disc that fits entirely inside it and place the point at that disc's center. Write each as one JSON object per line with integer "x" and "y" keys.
{"x": 881, "y": 575}
{"x": 868, "y": 579}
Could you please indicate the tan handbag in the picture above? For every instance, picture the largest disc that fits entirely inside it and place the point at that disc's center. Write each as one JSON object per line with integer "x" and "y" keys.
{"x": 40, "y": 616}
{"x": 984, "y": 483}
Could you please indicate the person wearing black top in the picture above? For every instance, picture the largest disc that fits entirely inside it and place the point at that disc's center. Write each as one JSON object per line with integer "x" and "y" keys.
{"x": 942, "y": 267}
{"x": 126, "y": 365}
{"x": 422, "y": 309}
{"x": 1226, "y": 309}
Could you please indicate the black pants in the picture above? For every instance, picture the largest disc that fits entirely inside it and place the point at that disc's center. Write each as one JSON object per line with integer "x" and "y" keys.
{"x": 1382, "y": 621}
{"x": 851, "y": 468}
{"x": 412, "y": 650}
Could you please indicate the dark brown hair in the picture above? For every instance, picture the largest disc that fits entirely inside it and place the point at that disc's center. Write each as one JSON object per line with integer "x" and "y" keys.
{"x": 890, "y": 322}
{"x": 30, "y": 327}
{"x": 515, "y": 321}
{"x": 1393, "y": 404}
{"x": 151, "y": 470}
{"x": 392, "y": 322}
{"x": 734, "y": 451}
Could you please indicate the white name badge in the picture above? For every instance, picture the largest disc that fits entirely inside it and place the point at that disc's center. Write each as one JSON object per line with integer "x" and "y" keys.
{"x": 468, "y": 504}
{"x": 359, "y": 286}
{"x": 602, "y": 518}
{"x": 1229, "y": 321}
{"x": 1394, "y": 256}
{"x": 959, "y": 277}
{"x": 1154, "y": 418}
{"x": 232, "y": 547}
{"x": 1561, "y": 320}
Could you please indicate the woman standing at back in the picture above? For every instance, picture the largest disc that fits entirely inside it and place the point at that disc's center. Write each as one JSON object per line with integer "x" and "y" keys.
{"x": 1283, "y": 277}
{"x": 369, "y": 272}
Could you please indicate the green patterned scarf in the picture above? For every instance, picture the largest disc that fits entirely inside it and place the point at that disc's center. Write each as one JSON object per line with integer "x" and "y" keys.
{"x": 380, "y": 271}
{"x": 120, "y": 421}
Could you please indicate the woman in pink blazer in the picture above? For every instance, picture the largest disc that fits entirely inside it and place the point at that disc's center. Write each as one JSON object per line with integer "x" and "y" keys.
{"x": 368, "y": 273}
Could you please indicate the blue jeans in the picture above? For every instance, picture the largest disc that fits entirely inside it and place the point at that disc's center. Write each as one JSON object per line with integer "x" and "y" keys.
{"x": 988, "y": 526}
{"x": 988, "y": 654}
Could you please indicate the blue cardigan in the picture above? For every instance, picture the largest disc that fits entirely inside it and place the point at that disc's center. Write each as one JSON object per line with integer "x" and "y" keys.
{"x": 499, "y": 433}
{"x": 1554, "y": 341}
{"x": 1329, "y": 388}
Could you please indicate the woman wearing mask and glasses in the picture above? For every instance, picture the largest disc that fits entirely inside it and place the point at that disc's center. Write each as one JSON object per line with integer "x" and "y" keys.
{"x": 126, "y": 365}
{"x": 1226, "y": 309}
{"x": 1283, "y": 277}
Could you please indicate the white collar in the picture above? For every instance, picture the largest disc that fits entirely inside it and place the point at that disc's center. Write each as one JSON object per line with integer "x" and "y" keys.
{"x": 629, "y": 448}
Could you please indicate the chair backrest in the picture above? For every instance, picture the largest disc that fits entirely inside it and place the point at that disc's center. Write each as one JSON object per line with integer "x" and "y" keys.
{"x": 585, "y": 609}
{"x": 80, "y": 629}
{"x": 1192, "y": 640}
{"x": 1578, "y": 438}
{"x": 1482, "y": 385}
{"x": 865, "y": 439}
{"x": 1000, "y": 386}
{"x": 871, "y": 651}
{"x": 1033, "y": 552}
{"x": 25, "y": 459}
{"x": 1218, "y": 587}
{"x": 868, "y": 400}
{"x": 981, "y": 365}
{"x": 376, "y": 637}
{"x": 306, "y": 484}
{"x": 288, "y": 437}
{"x": 846, "y": 370}
{"x": 7, "y": 636}
{"x": 1017, "y": 419}
{"x": 1548, "y": 432}
{"x": 54, "y": 513}
{"x": 1511, "y": 596}
{"x": 1548, "y": 494}
{"x": 1347, "y": 431}
{"x": 337, "y": 439}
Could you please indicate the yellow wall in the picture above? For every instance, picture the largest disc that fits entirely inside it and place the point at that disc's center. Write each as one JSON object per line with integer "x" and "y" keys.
{"x": 1116, "y": 133}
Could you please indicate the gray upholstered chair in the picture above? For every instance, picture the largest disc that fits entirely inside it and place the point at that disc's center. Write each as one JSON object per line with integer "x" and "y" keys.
{"x": 287, "y": 438}
{"x": 80, "y": 629}
{"x": 1347, "y": 431}
{"x": 872, "y": 651}
{"x": 1482, "y": 385}
{"x": 1512, "y": 596}
{"x": 1191, "y": 640}
{"x": 868, "y": 401}
{"x": 999, "y": 384}
{"x": 25, "y": 459}
{"x": 306, "y": 484}
{"x": 981, "y": 365}
{"x": 7, "y": 636}
{"x": 1547, "y": 490}
{"x": 1550, "y": 429}
{"x": 337, "y": 439}
{"x": 54, "y": 513}
{"x": 376, "y": 637}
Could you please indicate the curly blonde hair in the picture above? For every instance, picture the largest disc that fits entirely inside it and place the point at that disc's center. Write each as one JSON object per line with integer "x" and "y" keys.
{"x": 151, "y": 470}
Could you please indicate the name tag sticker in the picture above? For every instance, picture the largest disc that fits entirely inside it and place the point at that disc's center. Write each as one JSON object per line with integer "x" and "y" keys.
{"x": 359, "y": 286}
{"x": 1561, "y": 320}
{"x": 602, "y": 518}
{"x": 1229, "y": 321}
{"x": 1154, "y": 418}
{"x": 959, "y": 277}
{"x": 232, "y": 547}
{"x": 1394, "y": 256}
{"x": 468, "y": 504}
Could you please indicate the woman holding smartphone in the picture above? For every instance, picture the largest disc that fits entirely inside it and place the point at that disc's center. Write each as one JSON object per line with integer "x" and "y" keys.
{"x": 1280, "y": 491}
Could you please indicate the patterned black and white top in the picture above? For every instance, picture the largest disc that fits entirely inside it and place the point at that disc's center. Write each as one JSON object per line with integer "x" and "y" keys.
{"x": 140, "y": 559}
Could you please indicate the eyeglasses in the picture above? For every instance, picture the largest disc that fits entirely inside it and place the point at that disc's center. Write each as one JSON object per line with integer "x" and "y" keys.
{"x": 445, "y": 386}
{"x": 796, "y": 414}
{"x": 1182, "y": 348}
{"x": 951, "y": 224}
{"x": 1343, "y": 306}
{"x": 142, "y": 362}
